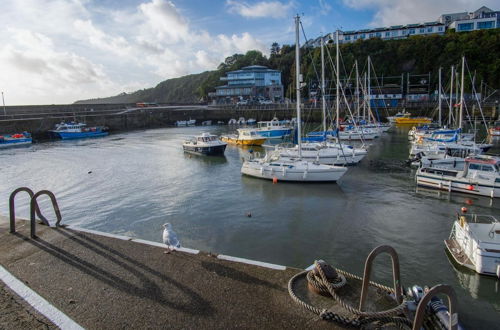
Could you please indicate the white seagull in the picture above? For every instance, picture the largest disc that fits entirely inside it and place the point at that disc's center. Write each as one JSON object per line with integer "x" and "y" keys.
{"x": 170, "y": 238}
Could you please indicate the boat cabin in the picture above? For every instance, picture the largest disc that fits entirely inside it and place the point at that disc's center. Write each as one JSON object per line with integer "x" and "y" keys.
{"x": 483, "y": 164}
{"x": 269, "y": 124}
{"x": 206, "y": 137}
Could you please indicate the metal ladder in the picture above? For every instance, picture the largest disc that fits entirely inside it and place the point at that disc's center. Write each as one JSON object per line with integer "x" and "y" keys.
{"x": 34, "y": 209}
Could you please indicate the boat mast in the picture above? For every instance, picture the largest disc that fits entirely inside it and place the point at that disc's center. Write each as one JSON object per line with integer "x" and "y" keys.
{"x": 369, "y": 90}
{"x": 461, "y": 94}
{"x": 450, "y": 112}
{"x": 439, "y": 96}
{"x": 338, "y": 82}
{"x": 297, "y": 82}
{"x": 364, "y": 95}
{"x": 323, "y": 96}
{"x": 357, "y": 89}
{"x": 456, "y": 96}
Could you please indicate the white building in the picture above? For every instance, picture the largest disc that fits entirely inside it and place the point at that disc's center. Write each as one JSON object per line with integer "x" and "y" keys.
{"x": 481, "y": 19}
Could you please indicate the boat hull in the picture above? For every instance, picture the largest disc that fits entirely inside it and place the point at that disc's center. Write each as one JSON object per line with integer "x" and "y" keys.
{"x": 288, "y": 173}
{"x": 437, "y": 180}
{"x": 253, "y": 142}
{"x": 412, "y": 121}
{"x": 15, "y": 143}
{"x": 275, "y": 133}
{"x": 205, "y": 151}
{"x": 78, "y": 135}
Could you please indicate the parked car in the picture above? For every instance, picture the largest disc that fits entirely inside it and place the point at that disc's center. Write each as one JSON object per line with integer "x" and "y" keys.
{"x": 242, "y": 102}
{"x": 265, "y": 102}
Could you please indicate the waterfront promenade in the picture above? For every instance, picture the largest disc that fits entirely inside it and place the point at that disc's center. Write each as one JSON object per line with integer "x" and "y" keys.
{"x": 106, "y": 282}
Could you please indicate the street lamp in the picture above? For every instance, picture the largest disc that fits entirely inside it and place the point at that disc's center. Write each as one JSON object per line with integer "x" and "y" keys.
{"x": 3, "y": 101}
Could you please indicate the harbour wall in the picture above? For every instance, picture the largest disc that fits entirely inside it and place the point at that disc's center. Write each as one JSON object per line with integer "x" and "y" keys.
{"x": 39, "y": 119}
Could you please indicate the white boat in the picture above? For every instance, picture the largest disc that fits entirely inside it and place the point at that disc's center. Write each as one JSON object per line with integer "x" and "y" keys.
{"x": 205, "y": 144}
{"x": 241, "y": 121}
{"x": 276, "y": 168}
{"x": 273, "y": 129}
{"x": 324, "y": 153}
{"x": 190, "y": 122}
{"x": 474, "y": 243}
{"x": 495, "y": 129}
{"x": 358, "y": 133}
{"x": 401, "y": 114}
{"x": 440, "y": 148}
{"x": 232, "y": 121}
{"x": 480, "y": 176}
{"x": 206, "y": 123}
{"x": 251, "y": 121}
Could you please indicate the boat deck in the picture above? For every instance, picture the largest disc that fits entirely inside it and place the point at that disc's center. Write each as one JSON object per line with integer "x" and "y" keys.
{"x": 458, "y": 254}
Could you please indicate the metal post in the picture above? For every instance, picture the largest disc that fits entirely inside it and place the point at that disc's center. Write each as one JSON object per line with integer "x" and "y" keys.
{"x": 297, "y": 82}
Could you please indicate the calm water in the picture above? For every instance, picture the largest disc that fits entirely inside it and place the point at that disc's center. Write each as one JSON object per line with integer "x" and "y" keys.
{"x": 140, "y": 180}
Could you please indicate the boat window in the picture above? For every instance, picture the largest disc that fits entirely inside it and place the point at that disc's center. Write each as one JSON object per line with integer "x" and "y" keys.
{"x": 474, "y": 167}
{"x": 488, "y": 168}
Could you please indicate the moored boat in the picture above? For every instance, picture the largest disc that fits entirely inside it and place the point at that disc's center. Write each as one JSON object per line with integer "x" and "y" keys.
{"x": 412, "y": 120}
{"x": 245, "y": 136}
{"x": 73, "y": 130}
{"x": 205, "y": 144}
{"x": 273, "y": 129}
{"x": 392, "y": 119}
{"x": 495, "y": 129}
{"x": 474, "y": 243}
{"x": 15, "y": 140}
{"x": 190, "y": 122}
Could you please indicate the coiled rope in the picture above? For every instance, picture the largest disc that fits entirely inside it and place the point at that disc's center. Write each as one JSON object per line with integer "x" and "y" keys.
{"x": 317, "y": 279}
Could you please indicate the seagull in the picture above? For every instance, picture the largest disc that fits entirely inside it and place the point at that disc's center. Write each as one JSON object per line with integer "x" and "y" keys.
{"x": 170, "y": 238}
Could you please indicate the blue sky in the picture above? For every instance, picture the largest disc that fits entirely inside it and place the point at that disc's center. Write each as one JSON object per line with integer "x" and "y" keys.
{"x": 60, "y": 51}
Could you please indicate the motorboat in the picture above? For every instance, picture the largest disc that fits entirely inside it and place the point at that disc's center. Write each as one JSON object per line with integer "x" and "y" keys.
{"x": 206, "y": 123}
{"x": 480, "y": 176}
{"x": 245, "y": 136}
{"x": 495, "y": 129}
{"x": 440, "y": 148}
{"x": 74, "y": 130}
{"x": 232, "y": 121}
{"x": 401, "y": 114}
{"x": 190, "y": 122}
{"x": 474, "y": 243}
{"x": 15, "y": 140}
{"x": 273, "y": 129}
{"x": 205, "y": 144}
{"x": 241, "y": 121}
{"x": 251, "y": 121}
{"x": 412, "y": 120}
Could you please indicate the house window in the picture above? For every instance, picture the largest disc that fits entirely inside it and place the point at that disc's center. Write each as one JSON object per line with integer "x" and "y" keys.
{"x": 394, "y": 33}
{"x": 355, "y": 37}
{"x": 412, "y": 31}
{"x": 429, "y": 29}
{"x": 465, "y": 27}
{"x": 363, "y": 36}
{"x": 421, "y": 31}
{"x": 440, "y": 29}
{"x": 378, "y": 35}
{"x": 347, "y": 38}
{"x": 387, "y": 34}
{"x": 486, "y": 25}
{"x": 371, "y": 35}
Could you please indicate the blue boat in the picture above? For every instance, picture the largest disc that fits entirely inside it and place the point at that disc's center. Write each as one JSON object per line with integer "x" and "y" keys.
{"x": 73, "y": 130}
{"x": 15, "y": 140}
{"x": 273, "y": 129}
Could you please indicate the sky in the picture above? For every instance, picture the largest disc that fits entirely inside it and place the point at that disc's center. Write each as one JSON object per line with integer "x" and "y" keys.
{"x": 60, "y": 51}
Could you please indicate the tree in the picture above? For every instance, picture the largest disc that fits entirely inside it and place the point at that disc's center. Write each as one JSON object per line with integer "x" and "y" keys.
{"x": 275, "y": 49}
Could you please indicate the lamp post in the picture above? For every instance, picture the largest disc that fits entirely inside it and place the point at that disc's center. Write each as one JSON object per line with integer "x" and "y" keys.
{"x": 3, "y": 101}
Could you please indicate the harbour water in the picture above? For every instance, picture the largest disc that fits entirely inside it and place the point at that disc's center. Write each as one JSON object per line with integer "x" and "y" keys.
{"x": 132, "y": 183}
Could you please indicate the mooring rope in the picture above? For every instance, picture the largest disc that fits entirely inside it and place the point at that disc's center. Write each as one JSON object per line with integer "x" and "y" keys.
{"x": 317, "y": 279}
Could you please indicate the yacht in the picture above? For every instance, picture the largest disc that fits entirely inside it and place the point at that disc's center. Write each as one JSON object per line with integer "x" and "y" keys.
{"x": 324, "y": 153}
{"x": 474, "y": 243}
{"x": 73, "y": 130}
{"x": 480, "y": 176}
{"x": 205, "y": 144}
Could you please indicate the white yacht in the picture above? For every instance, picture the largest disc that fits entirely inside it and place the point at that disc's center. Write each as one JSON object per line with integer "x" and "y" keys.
{"x": 480, "y": 176}
{"x": 474, "y": 243}
{"x": 274, "y": 167}
{"x": 324, "y": 153}
{"x": 205, "y": 144}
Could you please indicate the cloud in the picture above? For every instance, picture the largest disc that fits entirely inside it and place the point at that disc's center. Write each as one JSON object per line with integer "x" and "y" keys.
{"x": 273, "y": 9}
{"x": 325, "y": 7}
{"x": 391, "y": 12}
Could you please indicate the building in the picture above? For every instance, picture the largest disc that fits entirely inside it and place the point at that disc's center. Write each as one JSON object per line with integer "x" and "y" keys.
{"x": 255, "y": 82}
{"x": 483, "y": 18}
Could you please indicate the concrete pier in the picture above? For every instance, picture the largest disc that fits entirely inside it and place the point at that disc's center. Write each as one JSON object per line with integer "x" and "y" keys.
{"x": 106, "y": 282}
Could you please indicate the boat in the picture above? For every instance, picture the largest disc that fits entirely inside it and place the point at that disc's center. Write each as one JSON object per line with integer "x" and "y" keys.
{"x": 245, "y": 136}
{"x": 241, "y": 121}
{"x": 480, "y": 176}
{"x": 190, "y": 122}
{"x": 392, "y": 119}
{"x": 206, "y": 123}
{"x": 474, "y": 243}
{"x": 15, "y": 140}
{"x": 232, "y": 121}
{"x": 412, "y": 120}
{"x": 273, "y": 129}
{"x": 495, "y": 129}
{"x": 74, "y": 130}
{"x": 276, "y": 168}
{"x": 205, "y": 144}
{"x": 251, "y": 121}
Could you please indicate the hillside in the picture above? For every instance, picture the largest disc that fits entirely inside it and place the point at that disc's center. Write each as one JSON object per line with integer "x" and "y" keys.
{"x": 417, "y": 55}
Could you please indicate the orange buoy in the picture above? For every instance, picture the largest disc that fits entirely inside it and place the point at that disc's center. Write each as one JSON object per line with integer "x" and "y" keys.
{"x": 275, "y": 180}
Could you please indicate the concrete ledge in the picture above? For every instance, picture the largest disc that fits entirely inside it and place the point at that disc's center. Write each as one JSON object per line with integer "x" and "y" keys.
{"x": 251, "y": 262}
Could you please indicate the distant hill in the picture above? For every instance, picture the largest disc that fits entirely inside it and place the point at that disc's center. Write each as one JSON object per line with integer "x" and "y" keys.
{"x": 417, "y": 55}
{"x": 176, "y": 90}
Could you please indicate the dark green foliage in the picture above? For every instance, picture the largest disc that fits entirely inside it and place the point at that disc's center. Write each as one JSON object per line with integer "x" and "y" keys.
{"x": 417, "y": 55}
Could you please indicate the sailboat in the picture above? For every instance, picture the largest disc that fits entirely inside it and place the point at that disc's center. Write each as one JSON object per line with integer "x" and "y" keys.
{"x": 274, "y": 167}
